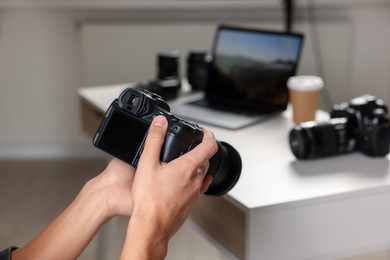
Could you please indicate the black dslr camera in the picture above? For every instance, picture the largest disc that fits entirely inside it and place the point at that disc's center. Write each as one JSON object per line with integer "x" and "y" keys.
{"x": 359, "y": 125}
{"x": 125, "y": 125}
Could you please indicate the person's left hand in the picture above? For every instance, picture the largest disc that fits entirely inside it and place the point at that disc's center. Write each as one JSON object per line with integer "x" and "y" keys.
{"x": 113, "y": 187}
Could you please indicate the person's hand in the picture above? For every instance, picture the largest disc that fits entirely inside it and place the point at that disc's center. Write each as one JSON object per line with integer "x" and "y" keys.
{"x": 164, "y": 194}
{"x": 170, "y": 190}
{"x": 113, "y": 187}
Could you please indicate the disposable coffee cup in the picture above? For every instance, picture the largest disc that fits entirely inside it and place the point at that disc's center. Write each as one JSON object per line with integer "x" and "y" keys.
{"x": 304, "y": 93}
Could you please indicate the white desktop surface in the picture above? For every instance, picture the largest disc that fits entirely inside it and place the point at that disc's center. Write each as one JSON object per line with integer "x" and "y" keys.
{"x": 326, "y": 202}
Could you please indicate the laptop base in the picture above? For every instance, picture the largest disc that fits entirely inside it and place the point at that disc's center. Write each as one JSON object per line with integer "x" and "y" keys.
{"x": 192, "y": 108}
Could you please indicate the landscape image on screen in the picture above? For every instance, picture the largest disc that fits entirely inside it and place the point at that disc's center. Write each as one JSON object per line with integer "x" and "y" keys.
{"x": 255, "y": 66}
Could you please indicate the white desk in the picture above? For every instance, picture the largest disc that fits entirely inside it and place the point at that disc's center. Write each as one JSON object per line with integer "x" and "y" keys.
{"x": 282, "y": 208}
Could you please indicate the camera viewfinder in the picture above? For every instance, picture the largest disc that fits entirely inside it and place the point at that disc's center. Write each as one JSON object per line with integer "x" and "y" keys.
{"x": 133, "y": 101}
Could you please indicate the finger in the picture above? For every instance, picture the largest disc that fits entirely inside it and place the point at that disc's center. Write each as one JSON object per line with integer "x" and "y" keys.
{"x": 155, "y": 139}
{"x": 202, "y": 170}
{"x": 206, "y": 183}
{"x": 205, "y": 150}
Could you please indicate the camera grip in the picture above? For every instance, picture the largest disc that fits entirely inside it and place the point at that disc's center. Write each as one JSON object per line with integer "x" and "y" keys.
{"x": 180, "y": 139}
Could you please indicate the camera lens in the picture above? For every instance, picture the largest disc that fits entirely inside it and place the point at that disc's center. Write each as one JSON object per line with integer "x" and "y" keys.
{"x": 314, "y": 140}
{"x": 197, "y": 69}
{"x": 168, "y": 65}
{"x": 225, "y": 167}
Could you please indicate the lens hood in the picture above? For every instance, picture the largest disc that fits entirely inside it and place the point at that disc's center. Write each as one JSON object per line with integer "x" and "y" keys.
{"x": 225, "y": 167}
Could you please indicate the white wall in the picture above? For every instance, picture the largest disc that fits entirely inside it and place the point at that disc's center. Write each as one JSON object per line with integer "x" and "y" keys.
{"x": 41, "y": 66}
{"x": 370, "y": 66}
{"x": 39, "y": 76}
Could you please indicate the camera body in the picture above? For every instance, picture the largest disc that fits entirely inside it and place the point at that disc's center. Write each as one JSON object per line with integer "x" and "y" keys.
{"x": 369, "y": 122}
{"x": 362, "y": 124}
{"x": 125, "y": 125}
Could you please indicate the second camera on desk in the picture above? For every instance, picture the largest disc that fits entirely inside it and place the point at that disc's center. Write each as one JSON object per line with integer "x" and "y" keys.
{"x": 361, "y": 124}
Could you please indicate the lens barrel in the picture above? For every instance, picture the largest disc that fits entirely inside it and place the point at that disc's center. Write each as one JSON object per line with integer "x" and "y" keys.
{"x": 168, "y": 65}
{"x": 197, "y": 69}
{"x": 225, "y": 167}
{"x": 321, "y": 139}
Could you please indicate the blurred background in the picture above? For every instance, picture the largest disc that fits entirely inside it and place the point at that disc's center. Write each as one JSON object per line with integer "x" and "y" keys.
{"x": 50, "y": 49}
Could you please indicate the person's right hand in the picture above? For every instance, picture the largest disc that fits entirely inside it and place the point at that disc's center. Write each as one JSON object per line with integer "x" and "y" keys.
{"x": 164, "y": 194}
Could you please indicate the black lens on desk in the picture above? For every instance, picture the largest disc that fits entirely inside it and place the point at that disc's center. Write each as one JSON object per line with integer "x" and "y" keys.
{"x": 168, "y": 65}
{"x": 198, "y": 69}
{"x": 225, "y": 167}
{"x": 320, "y": 139}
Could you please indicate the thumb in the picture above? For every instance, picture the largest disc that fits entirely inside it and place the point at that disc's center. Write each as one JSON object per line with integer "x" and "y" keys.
{"x": 155, "y": 139}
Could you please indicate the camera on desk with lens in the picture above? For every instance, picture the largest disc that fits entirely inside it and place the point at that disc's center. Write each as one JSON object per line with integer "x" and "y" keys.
{"x": 361, "y": 124}
{"x": 168, "y": 82}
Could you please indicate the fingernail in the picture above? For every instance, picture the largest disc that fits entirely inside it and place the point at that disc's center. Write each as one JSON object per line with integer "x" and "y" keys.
{"x": 159, "y": 121}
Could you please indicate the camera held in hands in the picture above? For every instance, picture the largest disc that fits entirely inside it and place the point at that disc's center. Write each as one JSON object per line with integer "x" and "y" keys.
{"x": 125, "y": 125}
{"x": 361, "y": 124}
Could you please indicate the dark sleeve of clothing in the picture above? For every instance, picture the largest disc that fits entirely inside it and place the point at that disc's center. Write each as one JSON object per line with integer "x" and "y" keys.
{"x": 6, "y": 254}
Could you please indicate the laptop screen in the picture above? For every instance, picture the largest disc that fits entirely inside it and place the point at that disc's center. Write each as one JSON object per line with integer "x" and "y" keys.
{"x": 250, "y": 68}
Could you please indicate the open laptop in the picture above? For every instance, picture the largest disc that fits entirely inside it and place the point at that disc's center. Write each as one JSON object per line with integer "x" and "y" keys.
{"x": 247, "y": 78}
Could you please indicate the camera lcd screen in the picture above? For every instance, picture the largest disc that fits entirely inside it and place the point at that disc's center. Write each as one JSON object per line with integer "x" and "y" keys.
{"x": 123, "y": 135}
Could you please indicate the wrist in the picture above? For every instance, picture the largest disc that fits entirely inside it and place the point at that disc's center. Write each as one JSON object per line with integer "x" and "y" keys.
{"x": 93, "y": 197}
{"x": 146, "y": 238}
{"x": 112, "y": 191}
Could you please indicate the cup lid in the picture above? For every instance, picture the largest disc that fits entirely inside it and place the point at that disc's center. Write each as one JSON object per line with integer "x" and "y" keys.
{"x": 305, "y": 83}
